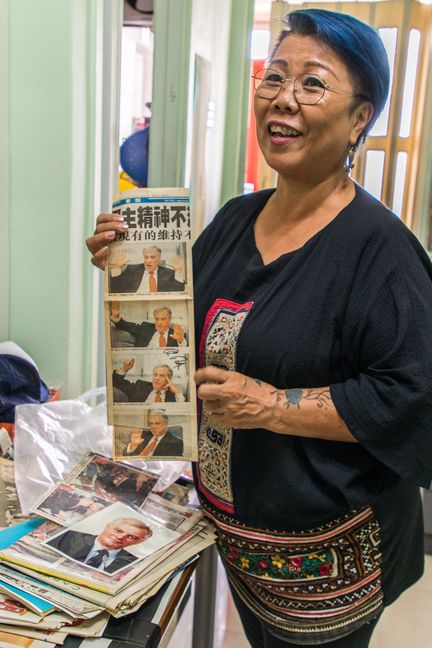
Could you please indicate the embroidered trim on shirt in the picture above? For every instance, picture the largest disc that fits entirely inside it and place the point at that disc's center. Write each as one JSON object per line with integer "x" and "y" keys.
{"x": 317, "y": 584}
{"x": 218, "y": 346}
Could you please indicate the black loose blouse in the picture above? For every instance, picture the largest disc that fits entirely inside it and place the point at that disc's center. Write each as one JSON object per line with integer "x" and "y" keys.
{"x": 352, "y": 308}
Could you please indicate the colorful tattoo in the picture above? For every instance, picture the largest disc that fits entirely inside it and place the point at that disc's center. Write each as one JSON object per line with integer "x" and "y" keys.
{"x": 295, "y": 396}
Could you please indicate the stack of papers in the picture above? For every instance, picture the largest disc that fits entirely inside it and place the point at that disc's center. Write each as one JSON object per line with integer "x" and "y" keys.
{"x": 104, "y": 545}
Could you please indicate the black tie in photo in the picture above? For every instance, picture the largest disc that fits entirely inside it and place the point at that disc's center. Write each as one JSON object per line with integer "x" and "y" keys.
{"x": 96, "y": 560}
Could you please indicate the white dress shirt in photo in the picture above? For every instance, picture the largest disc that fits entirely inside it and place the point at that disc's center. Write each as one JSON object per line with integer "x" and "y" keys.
{"x": 155, "y": 339}
{"x": 151, "y": 398}
{"x": 106, "y": 560}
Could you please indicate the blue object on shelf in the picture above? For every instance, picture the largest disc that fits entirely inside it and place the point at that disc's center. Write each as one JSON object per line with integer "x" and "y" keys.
{"x": 134, "y": 156}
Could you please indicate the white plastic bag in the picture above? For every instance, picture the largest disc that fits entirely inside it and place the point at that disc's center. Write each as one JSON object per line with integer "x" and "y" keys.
{"x": 52, "y": 437}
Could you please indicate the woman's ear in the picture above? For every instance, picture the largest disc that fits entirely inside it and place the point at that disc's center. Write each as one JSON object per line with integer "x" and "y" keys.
{"x": 362, "y": 114}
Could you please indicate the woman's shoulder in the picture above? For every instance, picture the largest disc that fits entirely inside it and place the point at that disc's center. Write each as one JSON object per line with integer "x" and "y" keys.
{"x": 232, "y": 217}
{"x": 243, "y": 205}
{"x": 372, "y": 239}
{"x": 371, "y": 224}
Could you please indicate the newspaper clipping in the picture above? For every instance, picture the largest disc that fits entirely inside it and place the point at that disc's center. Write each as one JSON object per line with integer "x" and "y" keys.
{"x": 149, "y": 328}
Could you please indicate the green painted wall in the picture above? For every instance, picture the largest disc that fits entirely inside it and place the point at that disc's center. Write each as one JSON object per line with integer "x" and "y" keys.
{"x": 236, "y": 112}
{"x": 52, "y": 134}
{"x": 172, "y": 24}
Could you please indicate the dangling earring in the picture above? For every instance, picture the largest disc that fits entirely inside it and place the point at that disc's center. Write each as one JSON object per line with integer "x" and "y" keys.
{"x": 349, "y": 163}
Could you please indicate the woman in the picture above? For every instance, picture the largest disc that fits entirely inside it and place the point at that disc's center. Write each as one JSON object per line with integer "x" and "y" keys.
{"x": 313, "y": 311}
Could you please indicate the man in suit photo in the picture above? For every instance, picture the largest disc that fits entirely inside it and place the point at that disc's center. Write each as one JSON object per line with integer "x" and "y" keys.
{"x": 123, "y": 487}
{"x": 160, "y": 390}
{"x": 106, "y": 551}
{"x": 163, "y": 333}
{"x": 159, "y": 441}
{"x": 147, "y": 277}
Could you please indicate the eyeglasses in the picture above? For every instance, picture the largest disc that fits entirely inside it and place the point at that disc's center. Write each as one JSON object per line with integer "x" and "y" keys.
{"x": 308, "y": 89}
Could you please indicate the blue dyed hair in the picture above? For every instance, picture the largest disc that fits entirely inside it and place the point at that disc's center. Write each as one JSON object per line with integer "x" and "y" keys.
{"x": 358, "y": 45}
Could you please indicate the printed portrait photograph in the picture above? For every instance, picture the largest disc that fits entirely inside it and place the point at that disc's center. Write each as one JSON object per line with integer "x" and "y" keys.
{"x": 112, "y": 482}
{"x": 151, "y": 377}
{"x": 148, "y": 324}
{"x": 161, "y": 435}
{"x": 67, "y": 504}
{"x": 112, "y": 539}
{"x": 147, "y": 268}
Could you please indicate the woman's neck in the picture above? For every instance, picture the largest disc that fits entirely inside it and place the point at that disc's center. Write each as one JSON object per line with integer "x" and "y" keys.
{"x": 294, "y": 200}
{"x": 296, "y": 211}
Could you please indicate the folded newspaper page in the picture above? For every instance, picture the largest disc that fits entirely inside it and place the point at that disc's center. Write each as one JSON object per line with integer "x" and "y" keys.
{"x": 10, "y": 640}
{"x": 198, "y": 538}
{"x": 104, "y": 551}
{"x": 149, "y": 328}
{"x": 93, "y": 484}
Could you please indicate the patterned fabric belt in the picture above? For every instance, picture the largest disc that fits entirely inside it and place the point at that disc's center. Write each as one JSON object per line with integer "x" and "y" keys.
{"x": 309, "y": 586}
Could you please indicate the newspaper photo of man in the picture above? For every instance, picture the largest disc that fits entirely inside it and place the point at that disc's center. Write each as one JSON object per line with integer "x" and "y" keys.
{"x": 156, "y": 441}
{"x": 106, "y": 551}
{"x": 160, "y": 333}
{"x": 148, "y": 276}
{"x": 161, "y": 388}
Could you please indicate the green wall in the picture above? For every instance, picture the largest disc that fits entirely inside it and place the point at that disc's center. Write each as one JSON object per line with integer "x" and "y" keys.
{"x": 51, "y": 174}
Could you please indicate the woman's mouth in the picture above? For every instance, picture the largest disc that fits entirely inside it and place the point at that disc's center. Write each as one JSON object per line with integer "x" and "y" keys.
{"x": 282, "y": 132}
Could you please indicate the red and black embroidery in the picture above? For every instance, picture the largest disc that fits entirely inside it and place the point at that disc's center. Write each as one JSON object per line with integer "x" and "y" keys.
{"x": 309, "y": 584}
{"x": 218, "y": 346}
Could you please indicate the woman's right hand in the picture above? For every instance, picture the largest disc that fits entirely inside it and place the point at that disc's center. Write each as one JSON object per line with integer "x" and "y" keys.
{"x": 107, "y": 226}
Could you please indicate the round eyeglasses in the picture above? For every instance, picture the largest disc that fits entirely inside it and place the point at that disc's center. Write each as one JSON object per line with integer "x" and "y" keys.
{"x": 307, "y": 88}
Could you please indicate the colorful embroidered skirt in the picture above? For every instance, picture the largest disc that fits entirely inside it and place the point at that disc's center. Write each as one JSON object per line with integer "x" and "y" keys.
{"x": 309, "y": 586}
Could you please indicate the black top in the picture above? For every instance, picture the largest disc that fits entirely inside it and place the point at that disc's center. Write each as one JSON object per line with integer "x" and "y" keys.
{"x": 352, "y": 308}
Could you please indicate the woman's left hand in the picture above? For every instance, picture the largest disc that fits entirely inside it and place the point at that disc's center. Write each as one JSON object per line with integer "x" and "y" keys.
{"x": 234, "y": 400}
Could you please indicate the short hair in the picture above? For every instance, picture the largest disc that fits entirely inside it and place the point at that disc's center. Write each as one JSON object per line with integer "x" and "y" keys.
{"x": 358, "y": 45}
{"x": 153, "y": 247}
{"x": 162, "y": 308}
{"x": 132, "y": 522}
{"x": 158, "y": 413}
{"x": 170, "y": 371}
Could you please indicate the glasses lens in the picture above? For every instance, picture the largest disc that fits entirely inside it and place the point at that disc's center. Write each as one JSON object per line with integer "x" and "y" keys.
{"x": 309, "y": 89}
{"x": 268, "y": 83}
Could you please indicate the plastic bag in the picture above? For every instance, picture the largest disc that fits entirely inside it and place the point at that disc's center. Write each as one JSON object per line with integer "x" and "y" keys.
{"x": 50, "y": 439}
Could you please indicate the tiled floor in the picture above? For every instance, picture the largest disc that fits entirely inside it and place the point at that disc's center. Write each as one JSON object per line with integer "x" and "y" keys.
{"x": 405, "y": 624}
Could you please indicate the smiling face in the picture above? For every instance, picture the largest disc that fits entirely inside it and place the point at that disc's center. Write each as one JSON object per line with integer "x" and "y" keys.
{"x": 120, "y": 534}
{"x": 309, "y": 141}
{"x": 151, "y": 259}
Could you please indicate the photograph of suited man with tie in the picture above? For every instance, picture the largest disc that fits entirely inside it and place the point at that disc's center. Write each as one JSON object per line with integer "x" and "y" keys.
{"x": 161, "y": 333}
{"x": 157, "y": 441}
{"x": 106, "y": 551}
{"x": 161, "y": 389}
{"x": 150, "y": 275}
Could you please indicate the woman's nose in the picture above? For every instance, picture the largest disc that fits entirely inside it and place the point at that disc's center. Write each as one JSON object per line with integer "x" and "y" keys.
{"x": 286, "y": 96}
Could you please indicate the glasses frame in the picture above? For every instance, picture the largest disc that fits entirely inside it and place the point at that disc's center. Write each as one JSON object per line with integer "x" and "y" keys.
{"x": 285, "y": 80}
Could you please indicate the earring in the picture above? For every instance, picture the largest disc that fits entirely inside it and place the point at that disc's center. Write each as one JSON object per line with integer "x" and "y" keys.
{"x": 349, "y": 163}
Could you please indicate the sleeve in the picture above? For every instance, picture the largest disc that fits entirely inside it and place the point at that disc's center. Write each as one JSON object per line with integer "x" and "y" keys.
{"x": 130, "y": 327}
{"x": 386, "y": 400}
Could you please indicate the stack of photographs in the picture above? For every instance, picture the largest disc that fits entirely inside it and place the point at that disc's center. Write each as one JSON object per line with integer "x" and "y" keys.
{"x": 105, "y": 545}
{"x": 149, "y": 328}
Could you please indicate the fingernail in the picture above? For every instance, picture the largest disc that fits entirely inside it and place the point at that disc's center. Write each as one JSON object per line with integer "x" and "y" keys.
{"x": 123, "y": 226}
{"x": 118, "y": 218}
{"x": 110, "y": 235}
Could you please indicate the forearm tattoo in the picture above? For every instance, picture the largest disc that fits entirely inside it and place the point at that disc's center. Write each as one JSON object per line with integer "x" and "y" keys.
{"x": 290, "y": 397}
